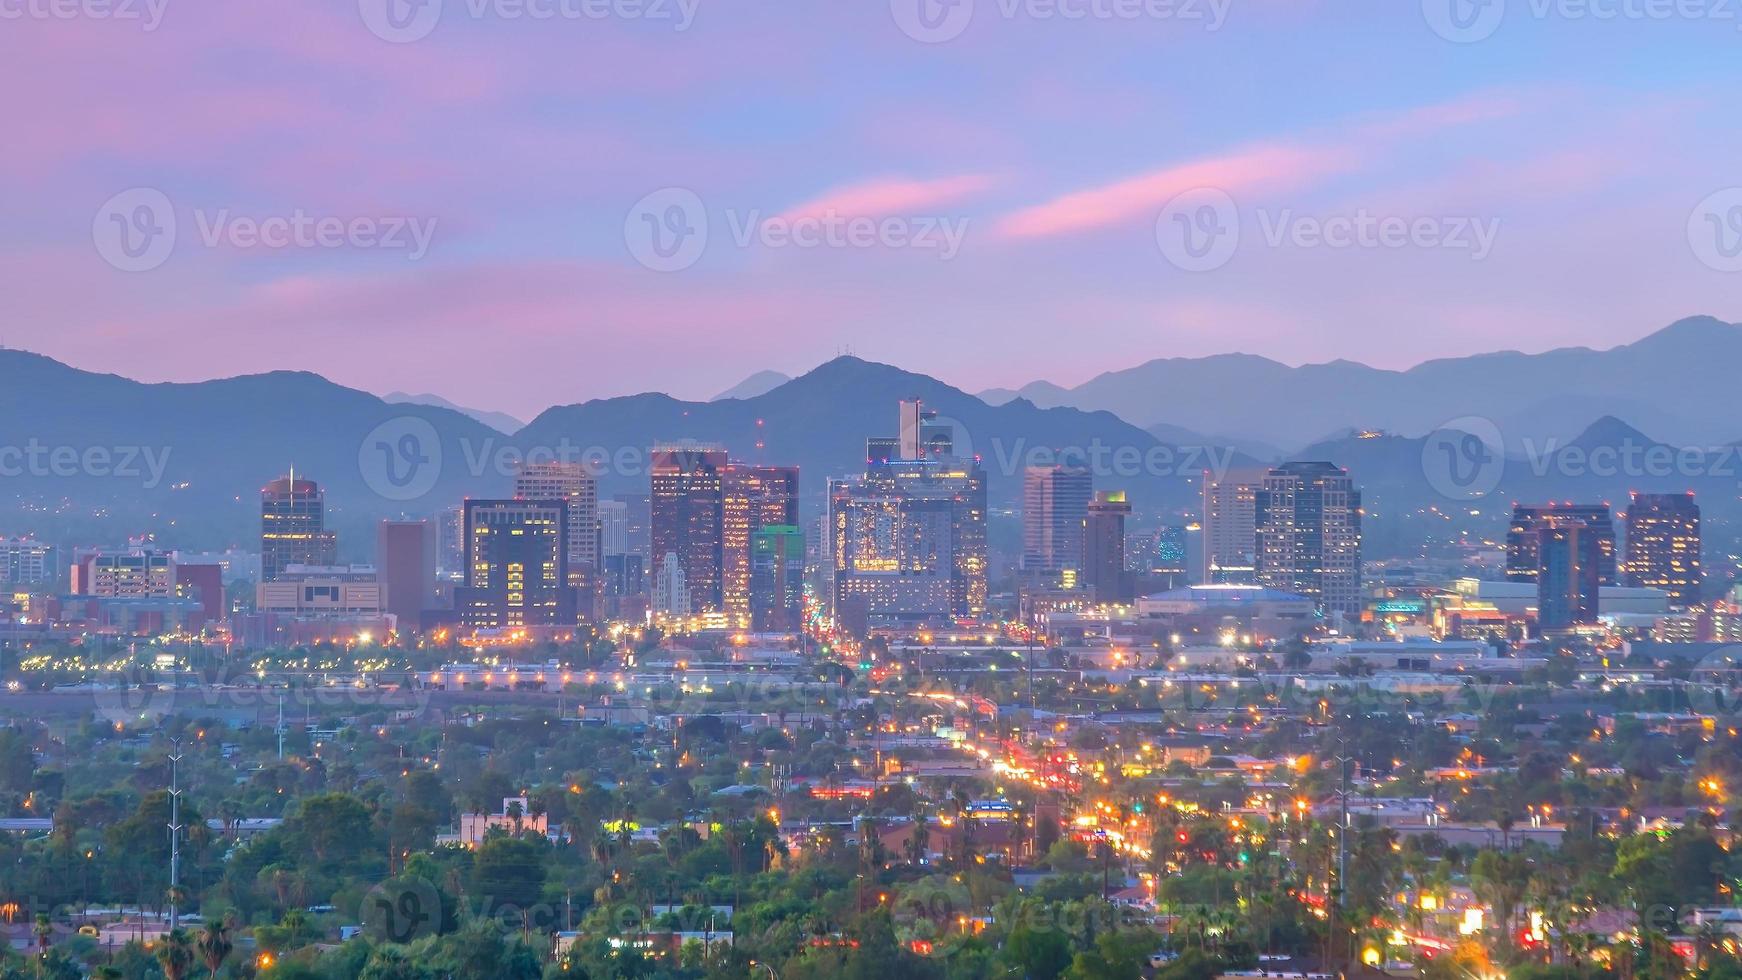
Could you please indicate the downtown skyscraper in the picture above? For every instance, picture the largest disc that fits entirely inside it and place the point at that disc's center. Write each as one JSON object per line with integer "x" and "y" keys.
{"x": 1230, "y": 525}
{"x": 1663, "y": 545}
{"x": 1307, "y": 518}
{"x": 293, "y": 529}
{"x": 1524, "y": 536}
{"x": 1055, "y": 502}
{"x": 573, "y": 483}
{"x": 907, "y": 541}
{"x": 687, "y": 528}
{"x": 751, "y": 498}
{"x": 516, "y": 565}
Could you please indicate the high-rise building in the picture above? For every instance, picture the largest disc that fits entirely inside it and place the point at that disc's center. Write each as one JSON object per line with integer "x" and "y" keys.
{"x": 293, "y": 527}
{"x": 1568, "y": 584}
{"x": 1663, "y": 545}
{"x": 574, "y": 483}
{"x": 1055, "y": 501}
{"x": 1103, "y": 570}
{"x": 516, "y": 565}
{"x": 1528, "y": 520}
{"x": 1230, "y": 527}
{"x": 451, "y": 544}
{"x": 1308, "y": 534}
{"x": 907, "y": 541}
{"x": 27, "y": 561}
{"x": 687, "y": 521}
{"x": 777, "y": 579}
{"x": 613, "y": 528}
{"x": 405, "y": 558}
{"x": 752, "y": 498}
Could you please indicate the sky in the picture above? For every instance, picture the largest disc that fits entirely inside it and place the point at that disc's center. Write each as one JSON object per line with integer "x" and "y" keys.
{"x": 520, "y": 203}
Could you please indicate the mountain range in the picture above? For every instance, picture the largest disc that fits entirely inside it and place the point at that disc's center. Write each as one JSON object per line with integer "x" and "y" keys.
{"x": 94, "y": 458}
{"x": 1679, "y": 383}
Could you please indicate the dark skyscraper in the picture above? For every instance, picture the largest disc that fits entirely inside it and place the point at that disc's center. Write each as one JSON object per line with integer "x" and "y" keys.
{"x": 1055, "y": 500}
{"x": 293, "y": 527}
{"x": 688, "y": 521}
{"x": 1523, "y": 537}
{"x": 516, "y": 565}
{"x": 752, "y": 498}
{"x": 777, "y": 579}
{"x": 405, "y": 562}
{"x": 1663, "y": 545}
{"x": 1567, "y": 585}
{"x": 1102, "y": 568}
{"x": 1307, "y": 520}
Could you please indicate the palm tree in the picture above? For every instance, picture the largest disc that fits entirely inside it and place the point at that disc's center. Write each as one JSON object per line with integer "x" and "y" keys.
{"x": 43, "y": 930}
{"x": 175, "y": 954}
{"x": 515, "y": 813}
{"x": 213, "y": 944}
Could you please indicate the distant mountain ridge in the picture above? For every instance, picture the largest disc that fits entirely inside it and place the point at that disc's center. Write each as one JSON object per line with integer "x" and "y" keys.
{"x": 1678, "y": 382}
{"x": 215, "y": 443}
{"x": 500, "y": 421}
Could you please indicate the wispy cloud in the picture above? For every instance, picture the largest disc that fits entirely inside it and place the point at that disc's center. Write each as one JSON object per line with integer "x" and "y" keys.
{"x": 878, "y": 198}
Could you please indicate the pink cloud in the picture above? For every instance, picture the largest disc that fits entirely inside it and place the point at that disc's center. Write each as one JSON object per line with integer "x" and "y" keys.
{"x": 1261, "y": 168}
{"x": 878, "y": 198}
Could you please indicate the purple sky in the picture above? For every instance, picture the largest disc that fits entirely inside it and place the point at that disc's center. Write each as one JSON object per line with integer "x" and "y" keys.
{"x": 523, "y": 147}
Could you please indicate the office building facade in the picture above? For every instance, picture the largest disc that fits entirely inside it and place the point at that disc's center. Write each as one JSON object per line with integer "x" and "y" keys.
{"x": 1307, "y": 519}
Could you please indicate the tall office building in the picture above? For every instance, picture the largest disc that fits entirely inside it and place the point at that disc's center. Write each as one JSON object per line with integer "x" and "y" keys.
{"x": 451, "y": 544}
{"x": 1103, "y": 570}
{"x": 1308, "y": 535}
{"x": 1524, "y": 535}
{"x": 293, "y": 527}
{"x": 1570, "y": 556}
{"x": 777, "y": 579}
{"x": 687, "y": 522}
{"x": 1230, "y": 527}
{"x": 613, "y": 528}
{"x": 907, "y": 541}
{"x": 574, "y": 483}
{"x": 405, "y": 563}
{"x": 1055, "y": 501}
{"x": 516, "y": 565}
{"x": 1663, "y": 545}
{"x": 752, "y": 498}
